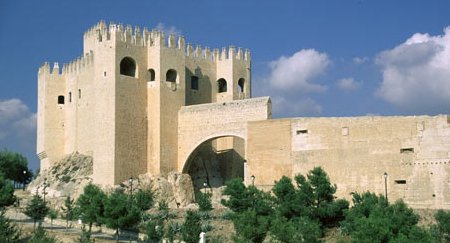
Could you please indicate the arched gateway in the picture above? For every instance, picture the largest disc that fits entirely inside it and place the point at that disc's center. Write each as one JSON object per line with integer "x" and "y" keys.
{"x": 212, "y": 138}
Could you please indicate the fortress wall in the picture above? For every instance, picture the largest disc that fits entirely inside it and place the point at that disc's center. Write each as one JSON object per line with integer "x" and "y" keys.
{"x": 85, "y": 101}
{"x": 172, "y": 98}
{"x": 205, "y": 70}
{"x": 153, "y": 109}
{"x": 104, "y": 112}
{"x": 131, "y": 115}
{"x": 355, "y": 152}
{"x": 268, "y": 151}
{"x": 50, "y": 118}
{"x": 216, "y": 120}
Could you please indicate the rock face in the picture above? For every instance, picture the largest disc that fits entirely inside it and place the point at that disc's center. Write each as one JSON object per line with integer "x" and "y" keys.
{"x": 70, "y": 175}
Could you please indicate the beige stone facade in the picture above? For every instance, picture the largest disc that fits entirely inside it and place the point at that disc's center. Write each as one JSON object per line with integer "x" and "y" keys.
{"x": 139, "y": 102}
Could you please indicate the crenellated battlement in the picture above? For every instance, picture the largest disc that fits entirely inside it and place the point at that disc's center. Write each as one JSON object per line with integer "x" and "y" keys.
{"x": 78, "y": 64}
{"x": 135, "y": 36}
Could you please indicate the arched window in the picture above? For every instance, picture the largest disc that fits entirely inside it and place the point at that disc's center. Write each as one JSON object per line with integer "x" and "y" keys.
{"x": 151, "y": 74}
{"x": 128, "y": 67}
{"x": 241, "y": 84}
{"x": 61, "y": 100}
{"x": 222, "y": 85}
{"x": 171, "y": 75}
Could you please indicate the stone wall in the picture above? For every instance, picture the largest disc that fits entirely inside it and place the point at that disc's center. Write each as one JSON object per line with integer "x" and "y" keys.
{"x": 355, "y": 152}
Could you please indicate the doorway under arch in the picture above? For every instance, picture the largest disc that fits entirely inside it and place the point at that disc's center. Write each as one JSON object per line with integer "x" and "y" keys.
{"x": 215, "y": 161}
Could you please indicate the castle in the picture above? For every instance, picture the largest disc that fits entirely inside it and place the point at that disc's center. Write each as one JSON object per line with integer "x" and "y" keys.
{"x": 139, "y": 102}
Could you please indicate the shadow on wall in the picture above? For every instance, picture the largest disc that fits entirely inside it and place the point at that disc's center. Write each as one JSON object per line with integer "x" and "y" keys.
{"x": 216, "y": 161}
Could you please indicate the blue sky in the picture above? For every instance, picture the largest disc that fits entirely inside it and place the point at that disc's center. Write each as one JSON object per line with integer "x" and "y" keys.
{"x": 314, "y": 58}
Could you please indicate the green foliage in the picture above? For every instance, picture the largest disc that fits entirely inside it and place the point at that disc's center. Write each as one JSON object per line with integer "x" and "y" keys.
{"x": 90, "y": 205}
{"x": 172, "y": 231}
{"x": 13, "y": 165}
{"x": 8, "y": 230}
{"x": 301, "y": 229}
{"x": 371, "y": 219}
{"x": 154, "y": 229}
{"x": 144, "y": 199}
{"x": 192, "y": 227}
{"x": 443, "y": 219}
{"x": 36, "y": 209}
{"x": 443, "y": 224}
{"x": 6, "y": 192}
{"x": 120, "y": 212}
{"x": 204, "y": 202}
{"x": 41, "y": 236}
{"x": 163, "y": 206}
{"x": 68, "y": 210}
{"x": 251, "y": 226}
{"x": 52, "y": 214}
{"x": 239, "y": 199}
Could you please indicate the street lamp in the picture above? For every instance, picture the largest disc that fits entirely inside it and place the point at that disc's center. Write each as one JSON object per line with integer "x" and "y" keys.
{"x": 205, "y": 185}
{"x": 253, "y": 180}
{"x": 385, "y": 187}
{"x": 131, "y": 185}
{"x": 24, "y": 179}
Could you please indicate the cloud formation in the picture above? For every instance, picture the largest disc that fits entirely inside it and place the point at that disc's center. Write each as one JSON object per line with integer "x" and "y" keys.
{"x": 293, "y": 79}
{"x": 17, "y": 125}
{"x": 348, "y": 84}
{"x": 416, "y": 73}
{"x": 297, "y": 72}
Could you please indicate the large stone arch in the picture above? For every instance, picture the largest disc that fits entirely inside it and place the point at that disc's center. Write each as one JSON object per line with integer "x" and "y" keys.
{"x": 216, "y": 160}
{"x": 200, "y": 123}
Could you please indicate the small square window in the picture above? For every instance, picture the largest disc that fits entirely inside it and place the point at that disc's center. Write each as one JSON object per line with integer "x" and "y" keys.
{"x": 194, "y": 82}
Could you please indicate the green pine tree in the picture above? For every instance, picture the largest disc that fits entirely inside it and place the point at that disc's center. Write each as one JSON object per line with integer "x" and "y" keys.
{"x": 36, "y": 209}
{"x": 8, "y": 229}
{"x": 90, "y": 205}
{"x": 192, "y": 227}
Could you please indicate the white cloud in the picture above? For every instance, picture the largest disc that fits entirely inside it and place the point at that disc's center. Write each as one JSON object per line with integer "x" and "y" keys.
{"x": 360, "y": 60}
{"x": 12, "y": 109}
{"x": 297, "y": 72}
{"x": 17, "y": 124}
{"x": 168, "y": 29}
{"x": 416, "y": 73}
{"x": 348, "y": 84}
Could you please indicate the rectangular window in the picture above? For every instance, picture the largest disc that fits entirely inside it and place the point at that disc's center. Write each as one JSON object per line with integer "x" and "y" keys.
{"x": 401, "y": 182}
{"x": 344, "y": 131}
{"x": 194, "y": 82}
{"x": 407, "y": 150}
{"x": 302, "y": 132}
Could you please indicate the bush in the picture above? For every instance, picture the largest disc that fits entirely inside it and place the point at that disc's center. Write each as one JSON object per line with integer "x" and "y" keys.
{"x": 192, "y": 227}
{"x": 204, "y": 202}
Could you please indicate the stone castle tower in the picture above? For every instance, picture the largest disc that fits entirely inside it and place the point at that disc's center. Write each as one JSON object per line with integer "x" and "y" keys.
{"x": 119, "y": 101}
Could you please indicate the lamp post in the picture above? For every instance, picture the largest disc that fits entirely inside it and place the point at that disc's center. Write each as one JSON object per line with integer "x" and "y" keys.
{"x": 24, "y": 179}
{"x": 131, "y": 186}
{"x": 253, "y": 180}
{"x": 385, "y": 187}
{"x": 204, "y": 186}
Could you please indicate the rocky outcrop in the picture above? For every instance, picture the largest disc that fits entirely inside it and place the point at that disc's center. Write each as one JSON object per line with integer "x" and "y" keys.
{"x": 74, "y": 172}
